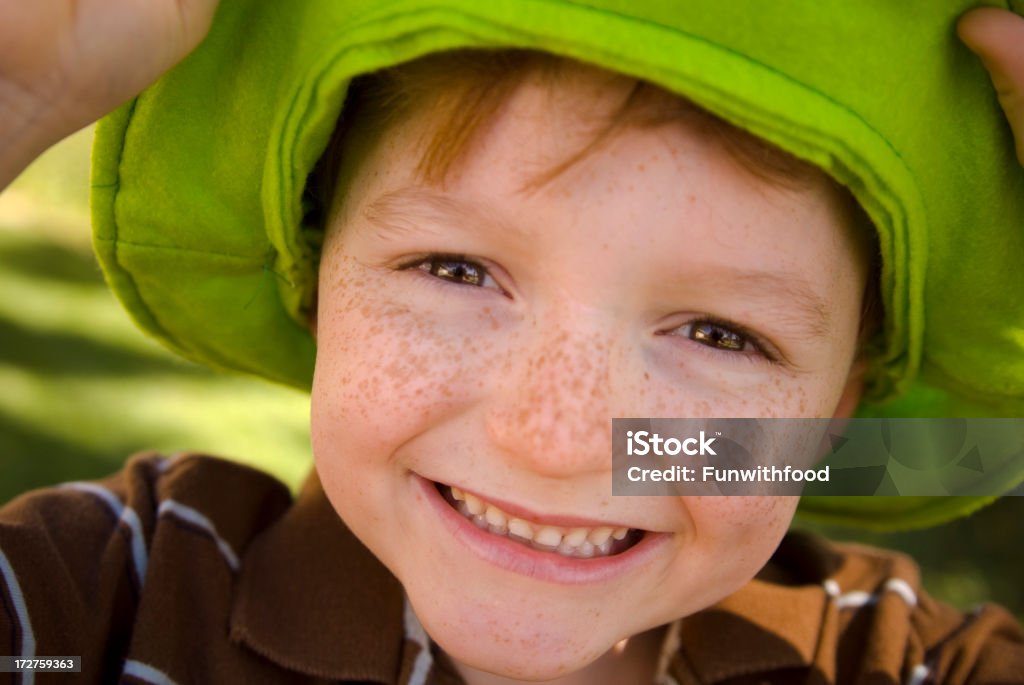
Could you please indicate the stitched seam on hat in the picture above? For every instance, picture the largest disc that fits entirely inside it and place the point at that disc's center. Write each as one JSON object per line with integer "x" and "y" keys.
{"x": 126, "y": 274}
{"x": 255, "y": 259}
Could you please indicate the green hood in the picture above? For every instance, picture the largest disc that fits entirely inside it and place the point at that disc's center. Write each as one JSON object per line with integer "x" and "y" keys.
{"x": 198, "y": 182}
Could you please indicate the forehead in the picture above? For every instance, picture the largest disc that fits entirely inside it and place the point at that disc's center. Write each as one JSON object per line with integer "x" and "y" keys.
{"x": 537, "y": 145}
{"x": 566, "y": 109}
{"x": 461, "y": 91}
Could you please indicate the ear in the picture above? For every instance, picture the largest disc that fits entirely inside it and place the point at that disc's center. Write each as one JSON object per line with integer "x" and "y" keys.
{"x": 854, "y": 388}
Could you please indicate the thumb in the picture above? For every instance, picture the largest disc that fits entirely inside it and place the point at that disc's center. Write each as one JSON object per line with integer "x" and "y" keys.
{"x": 195, "y": 17}
{"x": 997, "y": 37}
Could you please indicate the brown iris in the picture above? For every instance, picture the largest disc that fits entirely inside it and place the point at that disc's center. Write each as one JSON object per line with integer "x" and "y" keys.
{"x": 717, "y": 336}
{"x": 457, "y": 271}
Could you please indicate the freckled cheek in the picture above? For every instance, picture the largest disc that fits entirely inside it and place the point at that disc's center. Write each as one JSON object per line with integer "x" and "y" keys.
{"x": 390, "y": 368}
{"x": 715, "y": 392}
{"x": 718, "y": 391}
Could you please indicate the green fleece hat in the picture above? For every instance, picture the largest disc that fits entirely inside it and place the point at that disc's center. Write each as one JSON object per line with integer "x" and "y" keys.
{"x": 198, "y": 183}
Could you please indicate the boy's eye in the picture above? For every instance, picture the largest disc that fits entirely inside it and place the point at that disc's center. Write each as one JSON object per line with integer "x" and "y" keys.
{"x": 453, "y": 270}
{"x": 716, "y": 336}
{"x": 723, "y": 336}
{"x": 457, "y": 270}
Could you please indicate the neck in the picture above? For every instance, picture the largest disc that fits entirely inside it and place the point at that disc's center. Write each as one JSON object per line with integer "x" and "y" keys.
{"x": 634, "y": 660}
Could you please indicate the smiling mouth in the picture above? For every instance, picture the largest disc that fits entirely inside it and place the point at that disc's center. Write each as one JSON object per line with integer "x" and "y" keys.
{"x": 577, "y": 543}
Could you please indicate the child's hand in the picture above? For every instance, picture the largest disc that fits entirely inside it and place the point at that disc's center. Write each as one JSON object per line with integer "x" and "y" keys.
{"x": 997, "y": 36}
{"x": 66, "y": 63}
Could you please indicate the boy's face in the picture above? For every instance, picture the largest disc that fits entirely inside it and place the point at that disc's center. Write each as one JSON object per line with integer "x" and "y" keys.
{"x": 483, "y": 336}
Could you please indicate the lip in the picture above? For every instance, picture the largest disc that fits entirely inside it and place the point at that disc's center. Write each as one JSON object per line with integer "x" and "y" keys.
{"x": 522, "y": 560}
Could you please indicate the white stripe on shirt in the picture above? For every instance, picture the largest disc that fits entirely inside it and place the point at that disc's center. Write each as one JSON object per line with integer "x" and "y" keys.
{"x": 124, "y": 514}
{"x": 28, "y": 638}
{"x": 190, "y": 515}
{"x": 424, "y": 659}
{"x": 137, "y": 669}
{"x": 857, "y": 599}
{"x": 918, "y": 675}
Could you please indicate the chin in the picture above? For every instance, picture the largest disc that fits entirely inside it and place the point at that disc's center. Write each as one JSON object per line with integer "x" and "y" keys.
{"x": 510, "y": 638}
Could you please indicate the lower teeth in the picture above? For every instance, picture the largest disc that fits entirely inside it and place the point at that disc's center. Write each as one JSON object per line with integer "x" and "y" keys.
{"x": 586, "y": 550}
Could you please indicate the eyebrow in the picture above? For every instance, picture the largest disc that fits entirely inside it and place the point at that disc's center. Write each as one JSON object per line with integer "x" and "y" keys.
{"x": 403, "y": 210}
{"x": 400, "y": 211}
{"x": 786, "y": 297}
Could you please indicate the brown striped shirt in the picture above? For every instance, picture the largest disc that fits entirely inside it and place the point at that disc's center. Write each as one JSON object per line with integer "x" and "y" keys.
{"x": 197, "y": 570}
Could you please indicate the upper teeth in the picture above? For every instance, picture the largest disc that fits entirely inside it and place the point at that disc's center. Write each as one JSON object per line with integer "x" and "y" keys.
{"x": 573, "y": 542}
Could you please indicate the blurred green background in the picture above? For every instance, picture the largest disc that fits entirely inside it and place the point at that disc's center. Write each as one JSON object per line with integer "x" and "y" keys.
{"x": 81, "y": 389}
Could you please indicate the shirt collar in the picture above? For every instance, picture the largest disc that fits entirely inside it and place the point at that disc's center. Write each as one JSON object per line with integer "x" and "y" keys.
{"x": 309, "y": 564}
{"x": 774, "y": 622}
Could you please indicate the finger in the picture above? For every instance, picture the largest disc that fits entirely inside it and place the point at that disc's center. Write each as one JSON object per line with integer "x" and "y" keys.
{"x": 997, "y": 37}
{"x": 195, "y": 17}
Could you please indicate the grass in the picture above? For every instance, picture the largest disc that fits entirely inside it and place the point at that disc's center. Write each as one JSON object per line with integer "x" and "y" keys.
{"x": 82, "y": 389}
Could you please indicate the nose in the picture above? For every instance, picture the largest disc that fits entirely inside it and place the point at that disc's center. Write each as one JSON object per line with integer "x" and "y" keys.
{"x": 551, "y": 412}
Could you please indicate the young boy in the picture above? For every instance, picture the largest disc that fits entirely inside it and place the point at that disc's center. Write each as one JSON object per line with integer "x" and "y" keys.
{"x": 516, "y": 248}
